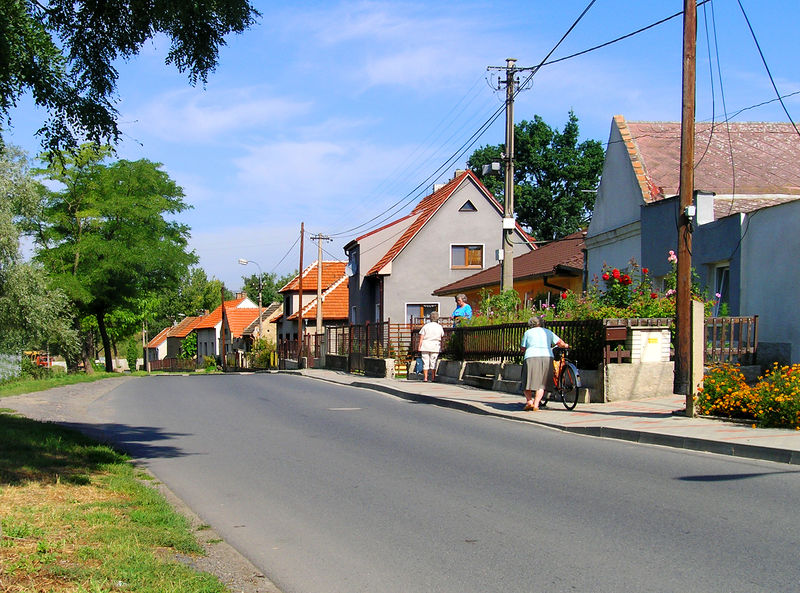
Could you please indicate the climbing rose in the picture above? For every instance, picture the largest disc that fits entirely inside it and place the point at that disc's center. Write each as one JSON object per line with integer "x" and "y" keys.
{"x": 615, "y": 273}
{"x": 606, "y": 276}
{"x": 645, "y": 271}
{"x": 563, "y": 295}
{"x": 625, "y": 280}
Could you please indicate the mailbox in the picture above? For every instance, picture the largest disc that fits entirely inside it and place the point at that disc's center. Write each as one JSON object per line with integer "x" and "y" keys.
{"x": 616, "y": 333}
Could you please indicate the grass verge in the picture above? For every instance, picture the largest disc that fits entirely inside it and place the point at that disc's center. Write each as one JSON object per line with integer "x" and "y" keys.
{"x": 29, "y": 385}
{"x": 76, "y": 517}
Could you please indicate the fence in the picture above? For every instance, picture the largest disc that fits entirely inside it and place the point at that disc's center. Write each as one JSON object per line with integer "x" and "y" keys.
{"x": 173, "y": 364}
{"x": 378, "y": 340}
{"x": 731, "y": 339}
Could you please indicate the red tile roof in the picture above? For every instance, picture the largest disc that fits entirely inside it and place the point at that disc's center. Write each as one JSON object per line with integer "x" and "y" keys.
{"x": 184, "y": 328}
{"x": 269, "y": 314}
{"x": 159, "y": 338}
{"x": 211, "y": 320}
{"x": 748, "y": 158}
{"x": 335, "y": 294}
{"x": 425, "y": 209}
{"x": 561, "y": 257}
{"x": 239, "y": 319}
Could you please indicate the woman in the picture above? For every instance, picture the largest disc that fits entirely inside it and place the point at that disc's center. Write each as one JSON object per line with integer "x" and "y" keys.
{"x": 538, "y": 344}
{"x": 430, "y": 344}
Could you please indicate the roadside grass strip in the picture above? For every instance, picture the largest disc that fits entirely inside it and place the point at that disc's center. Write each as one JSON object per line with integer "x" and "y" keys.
{"x": 77, "y": 516}
{"x": 26, "y": 384}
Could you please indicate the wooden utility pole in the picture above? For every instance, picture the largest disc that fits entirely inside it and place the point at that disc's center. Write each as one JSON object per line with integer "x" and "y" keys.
{"x": 222, "y": 327}
{"x": 684, "y": 272}
{"x": 507, "y": 278}
{"x": 300, "y": 299}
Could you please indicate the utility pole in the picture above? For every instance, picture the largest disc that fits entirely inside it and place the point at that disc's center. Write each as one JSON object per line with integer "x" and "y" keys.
{"x": 507, "y": 244}
{"x": 319, "y": 239}
{"x": 222, "y": 327}
{"x": 684, "y": 273}
{"x": 300, "y": 299}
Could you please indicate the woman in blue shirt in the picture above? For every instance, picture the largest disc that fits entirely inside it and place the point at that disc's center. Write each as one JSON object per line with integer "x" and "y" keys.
{"x": 463, "y": 310}
{"x": 538, "y": 344}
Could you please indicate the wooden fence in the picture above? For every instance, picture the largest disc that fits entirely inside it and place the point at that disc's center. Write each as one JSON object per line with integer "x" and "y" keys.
{"x": 731, "y": 339}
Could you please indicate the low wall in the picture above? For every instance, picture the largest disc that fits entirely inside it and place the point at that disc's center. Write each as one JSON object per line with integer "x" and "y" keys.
{"x": 337, "y": 362}
{"x": 449, "y": 371}
{"x": 636, "y": 381}
{"x": 378, "y": 367}
{"x": 481, "y": 374}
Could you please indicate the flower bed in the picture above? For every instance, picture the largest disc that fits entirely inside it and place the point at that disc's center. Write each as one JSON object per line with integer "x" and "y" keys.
{"x": 774, "y": 401}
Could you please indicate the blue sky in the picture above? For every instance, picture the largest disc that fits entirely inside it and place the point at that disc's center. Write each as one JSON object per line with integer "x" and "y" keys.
{"x": 332, "y": 113}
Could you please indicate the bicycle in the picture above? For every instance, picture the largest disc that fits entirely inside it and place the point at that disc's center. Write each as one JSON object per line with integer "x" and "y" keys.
{"x": 567, "y": 381}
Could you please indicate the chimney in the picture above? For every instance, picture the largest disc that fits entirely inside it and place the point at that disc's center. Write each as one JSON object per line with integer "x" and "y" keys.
{"x": 459, "y": 172}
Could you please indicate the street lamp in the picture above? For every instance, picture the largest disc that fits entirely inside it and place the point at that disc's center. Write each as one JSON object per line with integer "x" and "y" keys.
{"x": 244, "y": 262}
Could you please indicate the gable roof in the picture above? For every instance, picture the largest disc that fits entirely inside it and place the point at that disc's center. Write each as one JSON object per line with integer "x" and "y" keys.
{"x": 269, "y": 314}
{"x": 335, "y": 294}
{"x": 184, "y": 328}
{"x": 214, "y": 318}
{"x": 159, "y": 338}
{"x": 746, "y": 159}
{"x": 561, "y": 257}
{"x": 240, "y": 319}
{"x": 423, "y": 212}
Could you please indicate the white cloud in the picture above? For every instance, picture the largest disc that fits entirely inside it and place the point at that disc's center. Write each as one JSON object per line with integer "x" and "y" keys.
{"x": 192, "y": 114}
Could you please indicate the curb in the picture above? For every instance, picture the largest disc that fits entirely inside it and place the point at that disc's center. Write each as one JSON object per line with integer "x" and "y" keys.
{"x": 635, "y": 436}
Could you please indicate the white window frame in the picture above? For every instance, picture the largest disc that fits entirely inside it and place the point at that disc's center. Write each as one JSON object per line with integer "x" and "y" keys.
{"x": 419, "y": 304}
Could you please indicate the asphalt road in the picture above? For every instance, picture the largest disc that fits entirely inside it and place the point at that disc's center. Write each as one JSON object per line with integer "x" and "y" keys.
{"x": 336, "y": 489}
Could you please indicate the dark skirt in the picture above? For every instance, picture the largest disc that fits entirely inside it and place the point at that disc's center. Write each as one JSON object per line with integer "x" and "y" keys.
{"x": 538, "y": 373}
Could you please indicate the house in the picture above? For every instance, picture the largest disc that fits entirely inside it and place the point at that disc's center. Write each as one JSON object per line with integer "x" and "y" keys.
{"x": 539, "y": 276}
{"x": 449, "y": 235}
{"x": 744, "y": 241}
{"x": 210, "y": 326}
{"x": 334, "y": 299}
{"x": 156, "y": 349}
{"x": 269, "y": 315}
{"x": 177, "y": 334}
{"x": 234, "y": 323}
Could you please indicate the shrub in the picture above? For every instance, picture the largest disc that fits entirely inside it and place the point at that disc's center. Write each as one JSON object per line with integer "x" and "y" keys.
{"x": 778, "y": 396}
{"x": 210, "y": 363}
{"x": 773, "y": 402}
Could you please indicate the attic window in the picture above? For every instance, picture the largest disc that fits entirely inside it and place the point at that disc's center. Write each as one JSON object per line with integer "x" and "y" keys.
{"x": 468, "y": 207}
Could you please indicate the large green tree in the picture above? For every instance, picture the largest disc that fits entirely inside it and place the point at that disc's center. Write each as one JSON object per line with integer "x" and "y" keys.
{"x": 33, "y": 314}
{"x": 107, "y": 235}
{"x": 64, "y": 53}
{"x": 270, "y": 285}
{"x": 555, "y": 176}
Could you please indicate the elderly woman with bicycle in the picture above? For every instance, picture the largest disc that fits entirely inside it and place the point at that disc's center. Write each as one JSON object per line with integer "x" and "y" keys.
{"x": 538, "y": 344}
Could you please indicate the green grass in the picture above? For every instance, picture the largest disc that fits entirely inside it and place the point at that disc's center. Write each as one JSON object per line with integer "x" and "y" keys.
{"x": 77, "y": 516}
{"x": 29, "y": 385}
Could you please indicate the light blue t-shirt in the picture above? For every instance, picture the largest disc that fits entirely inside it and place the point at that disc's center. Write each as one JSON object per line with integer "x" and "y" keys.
{"x": 464, "y": 311}
{"x": 539, "y": 341}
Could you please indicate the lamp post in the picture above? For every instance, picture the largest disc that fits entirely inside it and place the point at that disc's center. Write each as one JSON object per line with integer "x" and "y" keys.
{"x": 244, "y": 262}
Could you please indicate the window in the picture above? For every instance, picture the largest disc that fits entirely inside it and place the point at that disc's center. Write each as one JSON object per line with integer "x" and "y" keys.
{"x": 468, "y": 207}
{"x": 418, "y": 311}
{"x": 466, "y": 256}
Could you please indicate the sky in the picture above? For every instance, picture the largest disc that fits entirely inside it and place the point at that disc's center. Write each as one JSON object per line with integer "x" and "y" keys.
{"x": 342, "y": 115}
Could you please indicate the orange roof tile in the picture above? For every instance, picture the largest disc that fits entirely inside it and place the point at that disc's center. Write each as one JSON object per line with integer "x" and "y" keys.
{"x": 159, "y": 338}
{"x": 335, "y": 301}
{"x": 184, "y": 328}
{"x": 426, "y": 208}
{"x": 239, "y": 319}
{"x": 332, "y": 271}
{"x": 564, "y": 256}
{"x": 215, "y": 317}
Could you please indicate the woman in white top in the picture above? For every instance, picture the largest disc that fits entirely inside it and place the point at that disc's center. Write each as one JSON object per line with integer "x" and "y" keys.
{"x": 538, "y": 344}
{"x": 430, "y": 344}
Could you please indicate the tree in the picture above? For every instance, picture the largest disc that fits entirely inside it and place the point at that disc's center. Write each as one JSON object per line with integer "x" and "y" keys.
{"x": 270, "y": 285}
{"x": 33, "y": 314}
{"x": 104, "y": 235}
{"x": 555, "y": 177}
{"x": 63, "y": 55}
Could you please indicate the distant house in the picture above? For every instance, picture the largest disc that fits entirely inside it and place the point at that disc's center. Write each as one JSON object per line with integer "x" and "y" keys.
{"x": 539, "y": 276}
{"x": 334, "y": 299}
{"x": 177, "y": 334}
{"x": 210, "y": 327}
{"x": 156, "y": 349}
{"x": 269, "y": 315}
{"x": 745, "y": 240}
{"x": 449, "y": 235}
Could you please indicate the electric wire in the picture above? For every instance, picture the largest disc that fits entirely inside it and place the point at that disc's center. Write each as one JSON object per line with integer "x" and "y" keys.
{"x": 766, "y": 66}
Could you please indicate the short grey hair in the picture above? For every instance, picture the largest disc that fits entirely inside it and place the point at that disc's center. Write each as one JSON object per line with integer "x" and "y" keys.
{"x": 535, "y": 321}
{"x": 461, "y": 296}
{"x": 434, "y": 316}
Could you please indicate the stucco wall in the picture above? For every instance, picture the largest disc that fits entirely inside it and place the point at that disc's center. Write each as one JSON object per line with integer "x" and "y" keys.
{"x": 771, "y": 270}
{"x": 424, "y": 265}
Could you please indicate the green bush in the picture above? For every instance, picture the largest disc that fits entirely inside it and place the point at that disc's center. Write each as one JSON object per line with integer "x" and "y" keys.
{"x": 31, "y": 370}
{"x": 132, "y": 351}
{"x": 209, "y": 363}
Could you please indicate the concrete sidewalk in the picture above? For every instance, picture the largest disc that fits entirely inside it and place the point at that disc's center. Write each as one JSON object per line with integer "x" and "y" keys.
{"x": 658, "y": 421}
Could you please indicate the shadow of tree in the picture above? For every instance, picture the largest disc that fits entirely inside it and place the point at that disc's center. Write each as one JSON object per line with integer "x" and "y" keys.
{"x": 33, "y": 451}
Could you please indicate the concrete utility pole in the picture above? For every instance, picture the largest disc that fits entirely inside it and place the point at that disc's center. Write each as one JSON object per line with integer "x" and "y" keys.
{"x": 684, "y": 272}
{"x": 244, "y": 262}
{"x": 319, "y": 239}
{"x": 509, "y": 224}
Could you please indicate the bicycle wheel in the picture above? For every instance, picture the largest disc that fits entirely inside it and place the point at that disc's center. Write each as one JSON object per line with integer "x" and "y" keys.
{"x": 568, "y": 387}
